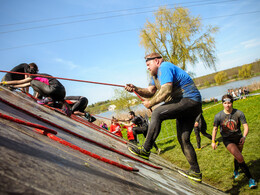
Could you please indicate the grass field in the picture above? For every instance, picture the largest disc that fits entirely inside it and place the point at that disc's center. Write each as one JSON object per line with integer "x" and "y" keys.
{"x": 217, "y": 165}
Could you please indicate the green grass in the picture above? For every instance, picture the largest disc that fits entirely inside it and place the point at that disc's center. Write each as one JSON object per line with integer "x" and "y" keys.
{"x": 217, "y": 165}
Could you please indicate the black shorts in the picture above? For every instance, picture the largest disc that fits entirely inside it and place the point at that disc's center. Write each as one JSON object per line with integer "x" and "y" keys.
{"x": 233, "y": 139}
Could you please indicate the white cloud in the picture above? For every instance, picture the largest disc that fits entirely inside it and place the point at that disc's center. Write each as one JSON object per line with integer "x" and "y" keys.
{"x": 227, "y": 52}
{"x": 67, "y": 63}
{"x": 251, "y": 43}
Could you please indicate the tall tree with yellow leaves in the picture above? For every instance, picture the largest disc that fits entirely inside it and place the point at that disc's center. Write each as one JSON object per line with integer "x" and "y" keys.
{"x": 180, "y": 38}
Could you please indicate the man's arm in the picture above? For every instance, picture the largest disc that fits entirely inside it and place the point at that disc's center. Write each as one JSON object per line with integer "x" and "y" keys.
{"x": 118, "y": 128}
{"x": 129, "y": 124}
{"x": 161, "y": 96}
{"x": 144, "y": 92}
{"x": 22, "y": 85}
{"x": 17, "y": 82}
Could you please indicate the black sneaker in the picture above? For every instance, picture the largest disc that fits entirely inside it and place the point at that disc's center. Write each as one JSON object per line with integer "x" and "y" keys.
{"x": 191, "y": 175}
{"x": 139, "y": 151}
{"x": 90, "y": 118}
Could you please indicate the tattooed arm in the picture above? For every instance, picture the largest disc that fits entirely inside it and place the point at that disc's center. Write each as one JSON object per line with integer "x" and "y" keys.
{"x": 164, "y": 92}
{"x": 144, "y": 92}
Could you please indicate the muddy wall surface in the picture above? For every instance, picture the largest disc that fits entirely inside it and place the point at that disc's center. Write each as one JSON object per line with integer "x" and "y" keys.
{"x": 32, "y": 163}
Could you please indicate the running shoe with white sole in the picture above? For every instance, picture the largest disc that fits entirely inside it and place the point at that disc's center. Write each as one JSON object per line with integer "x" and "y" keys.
{"x": 191, "y": 175}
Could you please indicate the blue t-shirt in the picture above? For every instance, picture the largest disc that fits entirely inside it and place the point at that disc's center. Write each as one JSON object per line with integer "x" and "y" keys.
{"x": 183, "y": 85}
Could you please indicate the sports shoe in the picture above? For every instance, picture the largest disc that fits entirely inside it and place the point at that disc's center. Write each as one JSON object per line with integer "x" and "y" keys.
{"x": 252, "y": 183}
{"x": 66, "y": 109}
{"x": 139, "y": 151}
{"x": 236, "y": 174}
{"x": 89, "y": 117}
{"x": 191, "y": 175}
{"x": 45, "y": 101}
{"x": 198, "y": 149}
{"x": 92, "y": 119}
{"x": 159, "y": 151}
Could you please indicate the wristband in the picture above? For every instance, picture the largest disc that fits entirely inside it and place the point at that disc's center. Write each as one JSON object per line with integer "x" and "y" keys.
{"x": 4, "y": 83}
{"x": 244, "y": 137}
{"x": 213, "y": 141}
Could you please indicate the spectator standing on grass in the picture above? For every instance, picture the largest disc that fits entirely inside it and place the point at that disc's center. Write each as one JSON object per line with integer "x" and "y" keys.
{"x": 233, "y": 93}
{"x": 182, "y": 101}
{"x": 246, "y": 91}
{"x": 240, "y": 92}
{"x": 229, "y": 120}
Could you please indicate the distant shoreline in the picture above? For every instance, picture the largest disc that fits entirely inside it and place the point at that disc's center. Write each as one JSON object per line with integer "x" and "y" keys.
{"x": 228, "y": 81}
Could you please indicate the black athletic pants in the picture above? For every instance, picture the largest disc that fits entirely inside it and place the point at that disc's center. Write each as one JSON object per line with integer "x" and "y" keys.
{"x": 80, "y": 105}
{"x": 202, "y": 127}
{"x": 142, "y": 130}
{"x": 185, "y": 112}
{"x": 57, "y": 92}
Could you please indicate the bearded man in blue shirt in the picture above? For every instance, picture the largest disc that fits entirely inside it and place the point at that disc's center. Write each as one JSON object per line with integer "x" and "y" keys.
{"x": 181, "y": 100}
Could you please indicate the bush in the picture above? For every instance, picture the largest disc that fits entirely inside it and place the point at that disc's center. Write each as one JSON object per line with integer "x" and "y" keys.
{"x": 206, "y": 83}
{"x": 220, "y": 77}
{"x": 245, "y": 71}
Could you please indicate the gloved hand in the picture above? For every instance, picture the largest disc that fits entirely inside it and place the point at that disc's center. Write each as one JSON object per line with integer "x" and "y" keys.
{"x": 3, "y": 83}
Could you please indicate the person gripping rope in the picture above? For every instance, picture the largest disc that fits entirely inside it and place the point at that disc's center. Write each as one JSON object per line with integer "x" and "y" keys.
{"x": 182, "y": 101}
{"x": 115, "y": 127}
{"x": 31, "y": 68}
{"x": 48, "y": 87}
{"x": 229, "y": 120}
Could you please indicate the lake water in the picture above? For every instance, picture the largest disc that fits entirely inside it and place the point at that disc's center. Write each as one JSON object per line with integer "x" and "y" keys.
{"x": 207, "y": 93}
{"x": 218, "y": 91}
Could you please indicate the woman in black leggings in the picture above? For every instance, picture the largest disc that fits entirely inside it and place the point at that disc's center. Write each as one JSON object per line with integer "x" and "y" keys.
{"x": 48, "y": 87}
{"x": 78, "y": 105}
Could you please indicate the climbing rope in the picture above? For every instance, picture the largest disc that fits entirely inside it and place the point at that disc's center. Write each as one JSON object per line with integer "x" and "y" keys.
{"x": 93, "y": 82}
{"x": 115, "y": 85}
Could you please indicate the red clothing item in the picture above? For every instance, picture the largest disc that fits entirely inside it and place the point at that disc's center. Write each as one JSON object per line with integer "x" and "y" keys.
{"x": 130, "y": 135}
{"x": 116, "y": 129}
{"x": 69, "y": 102}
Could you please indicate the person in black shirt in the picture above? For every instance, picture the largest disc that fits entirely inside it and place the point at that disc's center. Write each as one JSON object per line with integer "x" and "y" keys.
{"x": 141, "y": 127}
{"x": 31, "y": 68}
{"x": 48, "y": 87}
{"x": 229, "y": 120}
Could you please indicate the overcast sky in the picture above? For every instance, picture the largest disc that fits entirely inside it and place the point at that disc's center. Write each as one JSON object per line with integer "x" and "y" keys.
{"x": 99, "y": 40}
